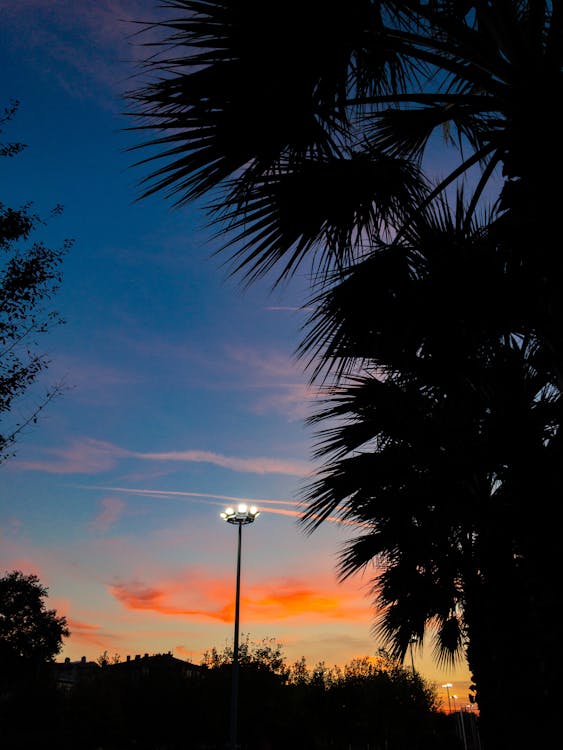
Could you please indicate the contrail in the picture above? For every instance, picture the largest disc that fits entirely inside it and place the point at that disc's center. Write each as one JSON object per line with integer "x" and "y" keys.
{"x": 179, "y": 493}
{"x": 230, "y": 498}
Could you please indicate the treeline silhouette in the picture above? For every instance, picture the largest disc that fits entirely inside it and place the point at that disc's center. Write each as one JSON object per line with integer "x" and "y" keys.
{"x": 162, "y": 703}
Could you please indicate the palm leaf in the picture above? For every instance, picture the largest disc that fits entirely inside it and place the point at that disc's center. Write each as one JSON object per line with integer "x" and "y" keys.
{"x": 334, "y": 207}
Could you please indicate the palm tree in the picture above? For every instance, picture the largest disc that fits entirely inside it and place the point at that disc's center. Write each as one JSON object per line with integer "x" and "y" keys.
{"x": 435, "y": 443}
{"x": 313, "y": 132}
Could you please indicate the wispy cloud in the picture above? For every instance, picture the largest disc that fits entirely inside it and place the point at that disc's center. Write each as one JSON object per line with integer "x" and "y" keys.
{"x": 277, "y": 377}
{"x": 90, "y": 47}
{"x": 265, "y": 364}
{"x": 111, "y": 511}
{"x": 273, "y": 380}
{"x": 291, "y": 399}
{"x": 258, "y": 465}
{"x": 86, "y": 456}
{"x": 91, "y": 635}
{"x": 92, "y": 382}
{"x": 89, "y": 456}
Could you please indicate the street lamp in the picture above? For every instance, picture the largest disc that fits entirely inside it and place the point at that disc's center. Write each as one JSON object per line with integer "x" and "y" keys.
{"x": 448, "y": 685}
{"x": 240, "y": 517}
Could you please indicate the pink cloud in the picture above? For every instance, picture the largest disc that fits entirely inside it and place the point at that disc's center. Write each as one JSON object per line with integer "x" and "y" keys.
{"x": 112, "y": 509}
{"x": 272, "y": 375}
{"x": 299, "y": 514}
{"x": 293, "y": 400}
{"x": 258, "y": 465}
{"x": 86, "y": 456}
{"x": 279, "y": 377}
{"x": 274, "y": 379}
{"x": 89, "y": 456}
{"x": 264, "y": 364}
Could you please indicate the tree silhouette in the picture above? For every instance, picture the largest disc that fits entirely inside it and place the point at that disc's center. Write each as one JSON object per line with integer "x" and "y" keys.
{"x": 29, "y": 277}
{"x": 30, "y": 637}
{"x": 29, "y": 632}
{"x": 405, "y": 151}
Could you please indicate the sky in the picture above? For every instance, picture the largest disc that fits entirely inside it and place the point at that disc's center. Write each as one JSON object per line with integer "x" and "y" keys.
{"x": 181, "y": 392}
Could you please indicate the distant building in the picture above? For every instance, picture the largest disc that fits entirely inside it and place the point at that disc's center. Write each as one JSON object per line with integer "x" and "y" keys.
{"x": 157, "y": 665}
{"x": 69, "y": 673}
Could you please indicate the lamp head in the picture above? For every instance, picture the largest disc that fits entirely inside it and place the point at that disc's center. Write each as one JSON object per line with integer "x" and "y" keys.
{"x": 242, "y": 515}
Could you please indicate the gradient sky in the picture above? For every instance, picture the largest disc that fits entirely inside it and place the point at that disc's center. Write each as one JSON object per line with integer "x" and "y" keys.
{"x": 182, "y": 393}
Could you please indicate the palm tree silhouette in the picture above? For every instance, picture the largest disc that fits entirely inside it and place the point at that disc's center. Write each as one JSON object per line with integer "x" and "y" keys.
{"x": 406, "y": 152}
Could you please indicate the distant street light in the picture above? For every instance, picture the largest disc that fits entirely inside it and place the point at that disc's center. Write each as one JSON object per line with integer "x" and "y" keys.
{"x": 240, "y": 517}
{"x": 448, "y": 685}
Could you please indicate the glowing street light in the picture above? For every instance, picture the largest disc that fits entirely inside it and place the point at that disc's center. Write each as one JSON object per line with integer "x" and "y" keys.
{"x": 448, "y": 685}
{"x": 240, "y": 517}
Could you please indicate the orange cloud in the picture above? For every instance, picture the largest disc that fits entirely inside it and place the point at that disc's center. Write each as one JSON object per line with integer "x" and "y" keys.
{"x": 164, "y": 599}
{"x": 297, "y": 600}
{"x": 204, "y": 597}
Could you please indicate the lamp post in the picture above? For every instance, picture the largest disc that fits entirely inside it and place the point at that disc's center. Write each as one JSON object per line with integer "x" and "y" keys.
{"x": 240, "y": 517}
{"x": 459, "y": 714}
{"x": 448, "y": 685}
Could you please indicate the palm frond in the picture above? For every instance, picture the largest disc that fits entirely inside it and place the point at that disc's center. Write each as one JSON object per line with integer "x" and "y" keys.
{"x": 332, "y": 208}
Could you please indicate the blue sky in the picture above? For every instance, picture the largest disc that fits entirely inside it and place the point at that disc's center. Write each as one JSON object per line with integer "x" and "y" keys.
{"x": 182, "y": 392}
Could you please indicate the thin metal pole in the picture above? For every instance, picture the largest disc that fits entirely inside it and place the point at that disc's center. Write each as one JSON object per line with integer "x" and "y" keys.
{"x": 234, "y": 688}
{"x": 463, "y": 735}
